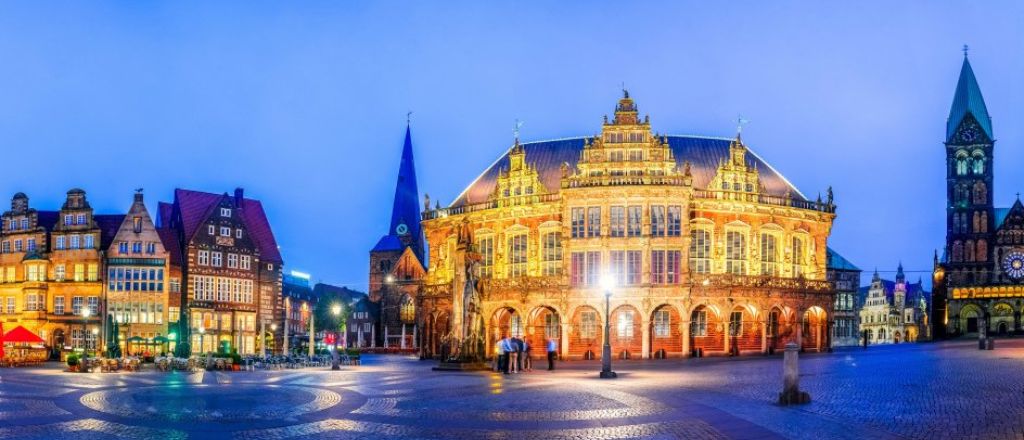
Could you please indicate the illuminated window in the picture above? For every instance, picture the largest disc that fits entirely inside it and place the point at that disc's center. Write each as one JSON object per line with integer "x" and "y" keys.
{"x": 515, "y": 326}
{"x": 657, "y": 221}
{"x": 618, "y": 221}
{"x": 624, "y": 324}
{"x": 593, "y": 268}
{"x": 517, "y": 251}
{"x": 798, "y": 257}
{"x": 594, "y": 221}
{"x": 577, "y": 225}
{"x": 735, "y": 253}
{"x": 552, "y": 255}
{"x": 769, "y": 255}
{"x": 700, "y": 251}
{"x": 551, "y": 327}
{"x": 486, "y": 248}
{"x": 588, "y": 325}
{"x": 674, "y": 221}
{"x": 634, "y": 216}
{"x": 58, "y": 305}
{"x": 79, "y": 272}
{"x": 408, "y": 310}
{"x": 577, "y": 267}
{"x": 661, "y": 324}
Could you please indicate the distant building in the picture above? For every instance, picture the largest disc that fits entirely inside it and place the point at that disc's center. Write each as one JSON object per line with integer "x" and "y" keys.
{"x": 299, "y": 304}
{"x": 846, "y": 276}
{"x": 349, "y": 300}
{"x": 895, "y": 311}
{"x": 363, "y": 323}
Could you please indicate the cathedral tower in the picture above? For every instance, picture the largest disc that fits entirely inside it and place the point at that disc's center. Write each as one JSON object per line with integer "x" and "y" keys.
{"x": 969, "y": 214}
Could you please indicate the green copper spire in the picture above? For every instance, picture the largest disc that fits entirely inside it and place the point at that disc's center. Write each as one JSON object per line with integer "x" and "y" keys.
{"x": 968, "y": 100}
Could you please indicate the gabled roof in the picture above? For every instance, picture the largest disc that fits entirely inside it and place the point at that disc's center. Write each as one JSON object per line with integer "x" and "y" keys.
{"x": 967, "y": 99}
{"x": 47, "y": 219}
{"x": 914, "y": 292}
{"x": 703, "y": 153}
{"x": 405, "y": 209}
{"x": 837, "y": 262}
{"x": 163, "y": 214}
{"x": 196, "y": 207}
{"x": 109, "y": 225}
{"x": 1002, "y": 214}
{"x": 169, "y": 238}
{"x": 388, "y": 243}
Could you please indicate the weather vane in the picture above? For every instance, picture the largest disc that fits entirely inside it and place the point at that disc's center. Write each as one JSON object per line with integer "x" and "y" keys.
{"x": 740, "y": 122}
{"x": 966, "y": 48}
{"x": 408, "y": 117}
{"x": 515, "y": 130}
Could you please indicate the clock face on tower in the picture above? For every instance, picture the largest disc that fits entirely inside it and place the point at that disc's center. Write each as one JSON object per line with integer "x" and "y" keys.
{"x": 1013, "y": 265}
{"x": 969, "y": 133}
{"x": 401, "y": 229}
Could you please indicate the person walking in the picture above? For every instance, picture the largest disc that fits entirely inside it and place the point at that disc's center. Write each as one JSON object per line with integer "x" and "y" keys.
{"x": 513, "y": 355}
{"x": 506, "y": 346}
{"x": 552, "y": 350}
{"x": 527, "y": 359}
{"x": 499, "y": 351}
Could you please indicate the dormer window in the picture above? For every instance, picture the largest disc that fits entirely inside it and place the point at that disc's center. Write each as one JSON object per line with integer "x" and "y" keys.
{"x": 225, "y": 231}
{"x": 210, "y": 229}
{"x": 68, "y": 219}
{"x": 24, "y": 223}
{"x": 80, "y": 220}
{"x": 225, "y": 212}
{"x": 137, "y": 224}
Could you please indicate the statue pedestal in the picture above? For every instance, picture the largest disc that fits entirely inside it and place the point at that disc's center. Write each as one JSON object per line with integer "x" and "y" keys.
{"x": 456, "y": 365}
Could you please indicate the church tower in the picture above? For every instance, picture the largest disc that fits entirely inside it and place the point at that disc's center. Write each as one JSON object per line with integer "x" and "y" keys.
{"x": 969, "y": 214}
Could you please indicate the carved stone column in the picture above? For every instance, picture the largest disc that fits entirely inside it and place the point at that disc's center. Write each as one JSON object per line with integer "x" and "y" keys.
{"x": 684, "y": 332}
{"x": 564, "y": 345}
{"x": 645, "y": 338}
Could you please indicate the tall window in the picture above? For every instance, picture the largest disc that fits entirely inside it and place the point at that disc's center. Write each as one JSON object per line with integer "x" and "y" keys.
{"x": 551, "y": 327}
{"x": 76, "y": 305}
{"x": 577, "y": 266}
{"x": 674, "y": 221}
{"x": 552, "y": 255}
{"x": 736, "y": 323}
{"x": 699, "y": 323}
{"x": 32, "y": 272}
{"x": 634, "y": 217}
{"x": 89, "y": 243}
{"x": 486, "y": 249}
{"x": 588, "y": 325}
{"x": 515, "y": 326}
{"x": 618, "y": 221}
{"x": 700, "y": 251}
{"x": 618, "y": 266}
{"x": 624, "y": 323}
{"x": 79, "y": 272}
{"x": 657, "y": 221}
{"x": 31, "y": 244}
{"x": 58, "y": 305}
{"x": 517, "y": 255}
{"x": 216, "y": 258}
{"x": 408, "y": 310}
{"x": 665, "y": 266}
{"x": 769, "y": 255}
{"x": 593, "y": 267}
{"x": 75, "y": 242}
{"x": 578, "y": 222}
{"x": 594, "y": 221}
{"x": 798, "y": 257}
{"x": 633, "y": 265}
{"x": 735, "y": 253}
{"x": 661, "y": 324}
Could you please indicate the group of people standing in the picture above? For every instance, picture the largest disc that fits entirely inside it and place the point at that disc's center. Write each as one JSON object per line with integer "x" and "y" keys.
{"x": 513, "y": 355}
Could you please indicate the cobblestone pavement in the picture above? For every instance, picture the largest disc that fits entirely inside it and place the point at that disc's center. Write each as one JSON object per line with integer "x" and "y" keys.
{"x": 946, "y": 390}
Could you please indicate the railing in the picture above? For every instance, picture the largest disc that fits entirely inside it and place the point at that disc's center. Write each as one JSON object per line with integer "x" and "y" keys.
{"x": 592, "y": 181}
{"x": 764, "y": 199}
{"x": 695, "y": 281}
{"x": 490, "y": 204}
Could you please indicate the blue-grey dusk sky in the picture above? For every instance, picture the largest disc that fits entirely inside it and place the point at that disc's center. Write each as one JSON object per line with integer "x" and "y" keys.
{"x": 303, "y": 104}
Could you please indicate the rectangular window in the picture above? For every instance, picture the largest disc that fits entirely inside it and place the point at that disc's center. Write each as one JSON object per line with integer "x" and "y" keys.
{"x": 577, "y": 223}
{"x": 552, "y": 256}
{"x": 6, "y": 247}
{"x": 617, "y": 263}
{"x": 210, "y": 229}
{"x": 122, "y": 247}
{"x": 94, "y": 306}
{"x": 634, "y": 225}
{"x": 76, "y": 305}
{"x": 175, "y": 285}
{"x": 17, "y": 246}
{"x": 588, "y": 325}
{"x": 672, "y": 266}
{"x": 624, "y": 323}
{"x": 225, "y": 231}
{"x": 151, "y": 248}
{"x": 59, "y": 245}
{"x": 93, "y": 273}
{"x": 137, "y": 225}
{"x": 577, "y": 266}
{"x": 58, "y": 305}
{"x": 24, "y": 223}
{"x": 136, "y": 247}
{"x": 31, "y": 244}
{"x": 68, "y": 219}
{"x": 593, "y": 268}
{"x": 75, "y": 241}
{"x": 79, "y": 272}
{"x": 657, "y": 221}
{"x": 80, "y": 220}
{"x": 618, "y": 221}
{"x": 238, "y": 233}
{"x": 11, "y": 307}
{"x": 661, "y": 324}
{"x": 675, "y": 222}
{"x": 32, "y": 272}
{"x": 594, "y": 221}
{"x": 517, "y": 252}
{"x": 658, "y": 267}
{"x": 736, "y": 323}
{"x": 225, "y": 212}
{"x": 486, "y": 249}
{"x": 246, "y": 262}
{"x": 633, "y": 263}
{"x": 700, "y": 251}
{"x": 32, "y": 302}
{"x": 769, "y": 255}
{"x": 699, "y": 326}
{"x": 735, "y": 253}
{"x": 9, "y": 275}
{"x": 233, "y": 261}
{"x": 204, "y": 258}
{"x": 89, "y": 241}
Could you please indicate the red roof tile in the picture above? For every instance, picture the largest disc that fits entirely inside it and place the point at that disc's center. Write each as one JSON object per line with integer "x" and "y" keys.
{"x": 195, "y": 207}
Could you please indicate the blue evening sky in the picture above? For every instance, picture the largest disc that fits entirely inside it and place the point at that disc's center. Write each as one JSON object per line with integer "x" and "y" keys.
{"x": 303, "y": 104}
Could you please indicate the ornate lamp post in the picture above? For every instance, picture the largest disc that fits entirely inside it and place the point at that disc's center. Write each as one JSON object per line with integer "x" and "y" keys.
{"x": 607, "y": 284}
{"x": 336, "y": 311}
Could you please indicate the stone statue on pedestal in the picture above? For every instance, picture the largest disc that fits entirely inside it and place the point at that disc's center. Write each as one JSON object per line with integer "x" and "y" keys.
{"x": 466, "y": 340}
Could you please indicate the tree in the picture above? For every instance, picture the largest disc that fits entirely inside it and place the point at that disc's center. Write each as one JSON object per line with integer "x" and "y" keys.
{"x": 326, "y": 320}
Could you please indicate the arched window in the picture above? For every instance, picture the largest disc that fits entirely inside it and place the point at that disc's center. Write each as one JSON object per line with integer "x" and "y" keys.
{"x": 961, "y": 163}
{"x": 980, "y": 193}
{"x": 735, "y": 253}
{"x": 769, "y": 254}
{"x": 408, "y": 309}
{"x": 969, "y": 251}
{"x": 984, "y": 221}
{"x": 798, "y": 257}
{"x": 958, "y": 251}
{"x": 978, "y": 164}
{"x": 976, "y": 222}
{"x": 981, "y": 253}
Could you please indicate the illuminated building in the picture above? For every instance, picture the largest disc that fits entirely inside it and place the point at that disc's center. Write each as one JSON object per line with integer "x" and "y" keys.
{"x": 714, "y": 252}
{"x": 895, "y": 311}
{"x": 845, "y": 318}
{"x": 978, "y": 279}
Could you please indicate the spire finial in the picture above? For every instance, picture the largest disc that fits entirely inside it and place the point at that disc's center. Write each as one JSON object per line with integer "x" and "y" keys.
{"x": 408, "y": 118}
{"x": 515, "y": 130}
{"x": 966, "y": 49}
{"x": 625, "y": 93}
{"x": 1018, "y": 197}
{"x": 740, "y": 122}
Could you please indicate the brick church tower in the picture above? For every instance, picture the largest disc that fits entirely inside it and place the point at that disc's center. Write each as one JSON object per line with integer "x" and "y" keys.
{"x": 397, "y": 263}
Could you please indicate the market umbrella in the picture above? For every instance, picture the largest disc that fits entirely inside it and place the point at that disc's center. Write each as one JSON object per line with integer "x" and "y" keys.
{"x": 135, "y": 339}
{"x": 22, "y": 335}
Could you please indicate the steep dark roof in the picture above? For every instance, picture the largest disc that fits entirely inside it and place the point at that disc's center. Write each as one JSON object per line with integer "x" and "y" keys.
{"x": 195, "y": 207}
{"x": 351, "y": 296}
{"x": 837, "y": 262}
{"x": 703, "y": 153}
{"x": 47, "y": 219}
{"x": 967, "y": 99}
{"x": 914, "y": 292}
{"x": 406, "y": 205}
{"x": 108, "y": 224}
{"x": 170, "y": 241}
{"x": 163, "y": 214}
{"x": 388, "y": 243}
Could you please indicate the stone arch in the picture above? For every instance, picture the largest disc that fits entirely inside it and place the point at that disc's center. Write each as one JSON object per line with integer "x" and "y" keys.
{"x": 896, "y": 337}
{"x": 504, "y": 321}
{"x": 912, "y": 334}
{"x": 707, "y": 332}
{"x": 542, "y": 323}
{"x": 587, "y": 333}
{"x": 815, "y": 329}
{"x": 744, "y": 329}
{"x": 1001, "y": 318}
{"x": 780, "y": 327}
{"x": 665, "y": 333}
{"x": 970, "y": 318}
{"x": 626, "y": 336}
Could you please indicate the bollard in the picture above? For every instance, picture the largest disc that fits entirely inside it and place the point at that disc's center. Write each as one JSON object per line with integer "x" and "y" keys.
{"x": 791, "y": 394}
{"x": 981, "y": 334}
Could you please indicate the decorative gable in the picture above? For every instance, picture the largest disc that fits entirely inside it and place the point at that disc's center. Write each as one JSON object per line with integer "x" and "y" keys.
{"x": 734, "y": 177}
{"x": 519, "y": 184}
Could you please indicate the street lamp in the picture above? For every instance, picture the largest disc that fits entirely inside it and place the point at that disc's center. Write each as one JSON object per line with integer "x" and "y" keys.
{"x": 336, "y": 311}
{"x": 85, "y": 324}
{"x": 202, "y": 332}
{"x": 607, "y": 284}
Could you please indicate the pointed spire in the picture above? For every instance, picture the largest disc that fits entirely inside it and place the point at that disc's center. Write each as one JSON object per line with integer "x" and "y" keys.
{"x": 968, "y": 100}
{"x": 405, "y": 212}
{"x": 900, "y": 277}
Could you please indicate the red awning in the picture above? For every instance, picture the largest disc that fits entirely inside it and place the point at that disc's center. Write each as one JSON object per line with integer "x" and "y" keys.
{"x": 20, "y": 334}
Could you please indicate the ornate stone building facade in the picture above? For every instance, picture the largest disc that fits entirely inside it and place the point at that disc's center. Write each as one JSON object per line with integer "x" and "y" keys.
{"x": 712, "y": 250}
{"x": 846, "y": 320}
{"x": 979, "y": 279}
{"x": 895, "y": 311}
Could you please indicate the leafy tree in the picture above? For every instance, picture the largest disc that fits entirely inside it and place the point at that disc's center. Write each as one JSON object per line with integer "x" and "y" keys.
{"x": 326, "y": 320}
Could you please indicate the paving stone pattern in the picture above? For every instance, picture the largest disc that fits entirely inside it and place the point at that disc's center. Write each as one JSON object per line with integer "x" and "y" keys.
{"x": 947, "y": 390}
